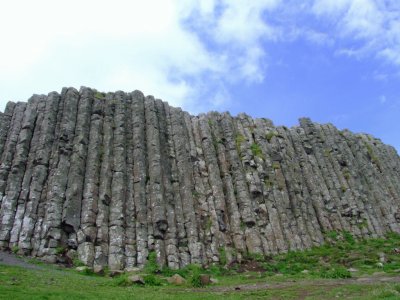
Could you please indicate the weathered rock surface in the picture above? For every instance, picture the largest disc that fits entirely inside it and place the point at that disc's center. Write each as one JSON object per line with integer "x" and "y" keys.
{"x": 111, "y": 177}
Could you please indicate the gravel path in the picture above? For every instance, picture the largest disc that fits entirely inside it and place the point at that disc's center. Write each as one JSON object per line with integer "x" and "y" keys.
{"x": 10, "y": 259}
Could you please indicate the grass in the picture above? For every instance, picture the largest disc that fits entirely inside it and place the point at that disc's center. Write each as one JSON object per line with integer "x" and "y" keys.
{"x": 269, "y": 136}
{"x": 256, "y": 150}
{"x": 285, "y": 275}
{"x": 239, "y": 140}
{"x": 340, "y": 253}
{"x": 99, "y": 95}
{"x": 51, "y": 283}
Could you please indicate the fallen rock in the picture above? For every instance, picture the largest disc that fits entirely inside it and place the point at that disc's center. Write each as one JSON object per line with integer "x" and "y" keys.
{"x": 352, "y": 270}
{"x": 98, "y": 270}
{"x": 114, "y": 273}
{"x": 83, "y": 269}
{"x": 214, "y": 280}
{"x": 136, "y": 279}
{"x": 176, "y": 279}
{"x": 205, "y": 279}
{"x": 132, "y": 270}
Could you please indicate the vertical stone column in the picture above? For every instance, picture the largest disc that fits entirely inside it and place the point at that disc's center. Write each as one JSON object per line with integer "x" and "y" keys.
{"x": 16, "y": 168}
{"x": 40, "y": 170}
{"x": 52, "y": 231}
{"x": 105, "y": 180}
{"x": 116, "y": 258}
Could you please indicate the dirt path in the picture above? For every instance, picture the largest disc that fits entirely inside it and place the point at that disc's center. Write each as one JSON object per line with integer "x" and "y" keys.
{"x": 279, "y": 285}
{"x": 10, "y": 259}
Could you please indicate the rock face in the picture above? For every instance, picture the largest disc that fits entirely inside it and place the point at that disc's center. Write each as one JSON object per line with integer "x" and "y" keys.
{"x": 114, "y": 176}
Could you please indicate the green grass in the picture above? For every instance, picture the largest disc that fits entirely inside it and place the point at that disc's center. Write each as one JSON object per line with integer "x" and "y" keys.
{"x": 256, "y": 150}
{"x": 283, "y": 273}
{"x": 99, "y": 95}
{"x": 51, "y": 283}
{"x": 239, "y": 140}
{"x": 340, "y": 253}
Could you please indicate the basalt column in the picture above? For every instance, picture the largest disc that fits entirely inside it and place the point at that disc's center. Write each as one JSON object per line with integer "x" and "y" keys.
{"x": 107, "y": 179}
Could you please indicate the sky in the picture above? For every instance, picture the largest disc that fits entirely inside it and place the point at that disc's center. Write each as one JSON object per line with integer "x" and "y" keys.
{"x": 335, "y": 61}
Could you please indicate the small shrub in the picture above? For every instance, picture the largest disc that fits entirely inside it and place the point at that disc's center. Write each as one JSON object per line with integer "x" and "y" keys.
{"x": 60, "y": 250}
{"x": 222, "y": 256}
{"x": 348, "y": 237}
{"x": 239, "y": 140}
{"x": 99, "y": 95}
{"x": 151, "y": 265}
{"x": 256, "y": 150}
{"x": 15, "y": 249}
{"x": 334, "y": 235}
{"x": 88, "y": 271}
{"x": 276, "y": 165}
{"x": 208, "y": 224}
{"x": 152, "y": 280}
{"x": 269, "y": 136}
{"x": 77, "y": 262}
{"x": 122, "y": 280}
{"x": 336, "y": 273}
{"x": 195, "y": 280}
{"x": 268, "y": 183}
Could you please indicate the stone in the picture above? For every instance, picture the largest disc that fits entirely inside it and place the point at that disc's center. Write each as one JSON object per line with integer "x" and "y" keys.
{"x": 98, "y": 270}
{"x": 118, "y": 179}
{"x": 136, "y": 279}
{"x": 114, "y": 273}
{"x": 83, "y": 269}
{"x": 205, "y": 279}
{"x": 214, "y": 280}
{"x": 176, "y": 279}
{"x": 352, "y": 270}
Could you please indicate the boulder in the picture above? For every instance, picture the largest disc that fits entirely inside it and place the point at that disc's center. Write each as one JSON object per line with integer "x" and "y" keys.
{"x": 176, "y": 280}
{"x": 136, "y": 279}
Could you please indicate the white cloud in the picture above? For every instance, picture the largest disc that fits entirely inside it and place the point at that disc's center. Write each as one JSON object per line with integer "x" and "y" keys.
{"x": 373, "y": 24}
{"x": 128, "y": 45}
{"x": 176, "y": 50}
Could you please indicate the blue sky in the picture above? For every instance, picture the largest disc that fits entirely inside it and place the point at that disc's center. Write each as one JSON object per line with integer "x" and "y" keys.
{"x": 335, "y": 61}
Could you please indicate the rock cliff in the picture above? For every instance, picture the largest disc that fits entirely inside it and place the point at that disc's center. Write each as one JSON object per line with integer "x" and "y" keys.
{"x": 114, "y": 176}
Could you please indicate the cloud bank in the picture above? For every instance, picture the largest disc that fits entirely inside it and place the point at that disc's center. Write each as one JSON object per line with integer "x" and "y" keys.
{"x": 189, "y": 53}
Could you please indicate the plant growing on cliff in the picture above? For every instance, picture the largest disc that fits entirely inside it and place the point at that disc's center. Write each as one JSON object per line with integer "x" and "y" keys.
{"x": 276, "y": 165}
{"x": 256, "y": 150}
{"x": 99, "y": 95}
{"x": 151, "y": 266}
{"x": 270, "y": 135}
{"x": 239, "y": 140}
{"x": 222, "y": 256}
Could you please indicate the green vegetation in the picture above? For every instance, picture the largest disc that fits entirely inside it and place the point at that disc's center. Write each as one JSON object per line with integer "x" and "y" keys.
{"x": 372, "y": 156}
{"x": 60, "y": 250}
{"x": 256, "y": 150}
{"x": 269, "y": 136}
{"x": 222, "y": 256}
{"x": 276, "y": 165}
{"x": 195, "y": 280}
{"x": 151, "y": 266}
{"x": 239, "y": 140}
{"x": 268, "y": 183}
{"x": 15, "y": 249}
{"x": 76, "y": 262}
{"x": 318, "y": 273}
{"x": 99, "y": 95}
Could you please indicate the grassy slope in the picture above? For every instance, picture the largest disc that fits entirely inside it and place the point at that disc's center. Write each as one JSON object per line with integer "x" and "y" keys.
{"x": 284, "y": 277}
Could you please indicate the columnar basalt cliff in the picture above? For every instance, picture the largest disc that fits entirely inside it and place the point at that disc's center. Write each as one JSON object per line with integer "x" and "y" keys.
{"x": 114, "y": 176}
